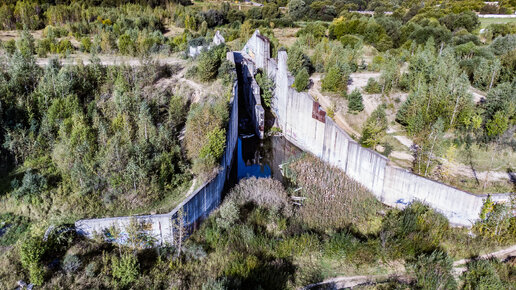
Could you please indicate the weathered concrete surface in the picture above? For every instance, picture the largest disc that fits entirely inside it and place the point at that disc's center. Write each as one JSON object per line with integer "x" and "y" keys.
{"x": 295, "y": 113}
{"x": 160, "y": 228}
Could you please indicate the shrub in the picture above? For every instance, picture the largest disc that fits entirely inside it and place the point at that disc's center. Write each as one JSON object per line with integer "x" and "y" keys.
{"x": 334, "y": 80}
{"x": 414, "y": 230}
{"x": 209, "y": 62}
{"x": 92, "y": 269}
{"x": 374, "y": 128}
{"x": 125, "y": 269}
{"x": 215, "y": 146}
{"x": 266, "y": 87}
{"x": 227, "y": 72}
{"x": 481, "y": 274}
{"x": 229, "y": 214}
{"x": 434, "y": 271}
{"x": 301, "y": 81}
{"x": 297, "y": 60}
{"x": 43, "y": 47}
{"x": 31, "y": 254}
{"x": 9, "y": 46}
{"x": 205, "y": 120}
{"x": 264, "y": 192}
{"x": 355, "y": 101}
{"x": 71, "y": 263}
{"x": 64, "y": 46}
{"x": 373, "y": 87}
{"x": 349, "y": 40}
{"x": 85, "y": 44}
{"x": 496, "y": 222}
{"x": 126, "y": 45}
{"x": 32, "y": 184}
{"x": 12, "y": 228}
{"x": 25, "y": 44}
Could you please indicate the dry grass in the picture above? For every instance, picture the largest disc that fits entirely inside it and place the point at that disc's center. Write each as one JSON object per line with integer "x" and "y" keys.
{"x": 333, "y": 200}
{"x": 286, "y": 36}
{"x": 6, "y": 35}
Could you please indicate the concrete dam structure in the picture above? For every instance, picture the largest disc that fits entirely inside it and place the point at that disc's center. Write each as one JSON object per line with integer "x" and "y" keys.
{"x": 305, "y": 124}
{"x": 161, "y": 229}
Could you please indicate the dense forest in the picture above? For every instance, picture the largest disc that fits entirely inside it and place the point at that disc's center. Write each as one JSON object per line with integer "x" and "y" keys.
{"x": 103, "y": 113}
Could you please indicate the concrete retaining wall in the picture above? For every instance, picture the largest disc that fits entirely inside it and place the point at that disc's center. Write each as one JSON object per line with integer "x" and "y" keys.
{"x": 297, "y": 116}
{"x": 160, "y": 228}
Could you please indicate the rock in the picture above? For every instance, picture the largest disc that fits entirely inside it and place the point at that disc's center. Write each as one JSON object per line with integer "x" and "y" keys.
{"x": 218, "y": 38}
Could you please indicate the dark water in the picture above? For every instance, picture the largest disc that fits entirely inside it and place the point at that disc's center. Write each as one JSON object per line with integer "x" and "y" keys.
{"x": 255, "y": 157}
{"x": 262, "y": 158}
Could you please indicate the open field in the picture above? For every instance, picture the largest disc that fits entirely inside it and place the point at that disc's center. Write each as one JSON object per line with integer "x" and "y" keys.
{"x": 484, "y": 22}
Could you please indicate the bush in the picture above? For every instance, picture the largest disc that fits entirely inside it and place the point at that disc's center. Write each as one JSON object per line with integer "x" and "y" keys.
{"x": 297, "y": 60}
{"x": 31, "y": 254}
{"x": 335, "y": 80}
{"x": 227, "y": 73}
{"x": 43, "y": 47}
{"x": 355, "y": 101}
{"x": 373, "y": 87}
{"x": 32, "y": 185}
{"x": 85, "y": 44}
{"x": 415, "y": 230}
{"x": 203, "y": 131}
{"x": 9, "y": 46}
{"x": 374, "y": 128}
{"x": 63, "y": 47}
{"x": 126, "y": 45}
{"x": 229, "y": 214}
{"x": 12, "y": 228}
{"x": 215, "y": 146}
{"x": 125, "y": 269}
{"x": 263, "y": 192}
{"x": 266, "y": 87}
{"x": 434, "y": 271}
{"x": 481, "y": 274}
{"x": 301, "y": 81}
{"x": 71, "y": 263}
{"x": 209, "y": 62}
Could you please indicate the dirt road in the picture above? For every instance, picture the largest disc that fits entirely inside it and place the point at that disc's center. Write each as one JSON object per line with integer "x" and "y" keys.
{"x": 402, "y": 276}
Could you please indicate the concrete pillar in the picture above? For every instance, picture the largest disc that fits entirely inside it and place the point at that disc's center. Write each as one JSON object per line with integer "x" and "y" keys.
{"x": 281, "y": 91}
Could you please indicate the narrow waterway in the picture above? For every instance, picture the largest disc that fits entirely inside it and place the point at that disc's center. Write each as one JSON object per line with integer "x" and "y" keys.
{"x": 256, "y": 157}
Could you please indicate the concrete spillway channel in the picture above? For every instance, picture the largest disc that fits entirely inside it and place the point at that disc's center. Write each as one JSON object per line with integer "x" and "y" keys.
{"x": 256, "y": 157}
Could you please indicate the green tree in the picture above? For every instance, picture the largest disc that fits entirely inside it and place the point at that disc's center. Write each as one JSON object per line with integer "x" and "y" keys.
{"x": 31, "y": 254}
{"x": 301, "y": 81}
{"x": 214, "y": 148}
{"x": 266, "y": 87}
{"x": 355, "y": 101}
{"x": 297, "y": 9}
{"x": 210, "y": 61}
{"x": 434, "y": 271}
{"x": 334, "y": 80}
{"x": 25, "y": 44}
{"x": 125, "y": 269}
{"x": 482, "y": 274}
{"x": 498, "y": 125}
{"x": 297, "y": 60}
{"x": 126, "y": 45}
{"x": 374, "y": 128}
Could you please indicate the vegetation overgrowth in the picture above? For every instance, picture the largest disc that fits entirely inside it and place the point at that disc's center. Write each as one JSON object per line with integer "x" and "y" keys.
{"x": 91, "y": 140}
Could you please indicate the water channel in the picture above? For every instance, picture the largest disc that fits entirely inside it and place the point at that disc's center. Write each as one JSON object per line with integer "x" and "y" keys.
{"x": 257, "y": 157}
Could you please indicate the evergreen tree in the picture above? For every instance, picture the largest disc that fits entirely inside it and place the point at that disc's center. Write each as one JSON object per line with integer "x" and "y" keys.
{"x": 301, "y": 81}
{"x": 374, "y": 128}
{"x": 355, "y": 101}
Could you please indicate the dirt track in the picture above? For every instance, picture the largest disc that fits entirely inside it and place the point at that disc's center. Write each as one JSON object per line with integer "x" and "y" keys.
{"x": 353, "y": 281}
